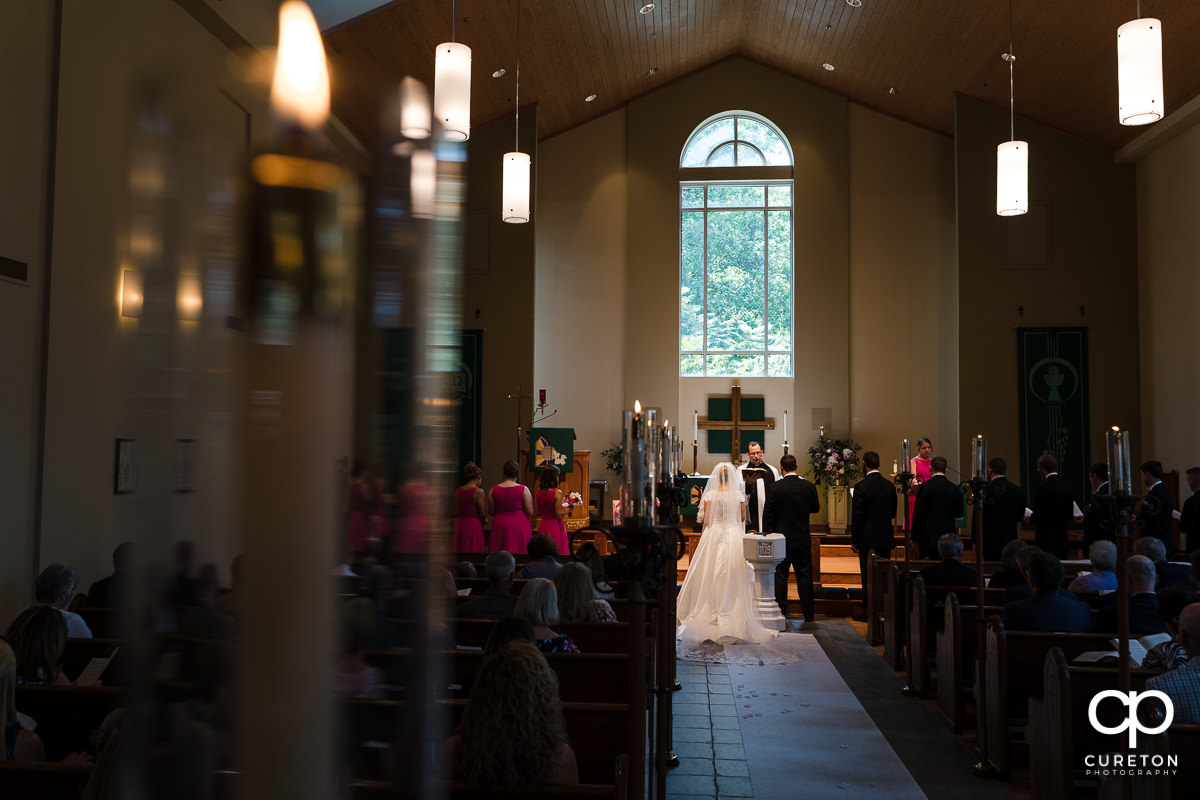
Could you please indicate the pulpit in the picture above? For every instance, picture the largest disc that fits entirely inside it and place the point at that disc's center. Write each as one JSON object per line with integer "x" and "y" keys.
{"x": 838, "y": 506}
{"x": 577, "y": 480}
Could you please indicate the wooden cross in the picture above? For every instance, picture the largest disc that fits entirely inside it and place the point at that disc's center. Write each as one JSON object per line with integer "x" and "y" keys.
{"x": 736, "y": 424}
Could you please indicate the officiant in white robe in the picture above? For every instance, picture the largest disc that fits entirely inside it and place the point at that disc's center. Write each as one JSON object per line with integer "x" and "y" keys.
{"x": 754, "y": 460}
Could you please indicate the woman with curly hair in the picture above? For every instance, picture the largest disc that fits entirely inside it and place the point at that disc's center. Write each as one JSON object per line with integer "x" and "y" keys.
{"x": 38, "y": 637}
{"x": 513, "y": 732}
{"x": 538, "y": 603}
{"x": 576, "y": 600}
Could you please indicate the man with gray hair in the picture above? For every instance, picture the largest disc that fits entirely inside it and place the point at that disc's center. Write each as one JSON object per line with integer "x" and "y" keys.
{"x": 1152, "y": 548}
{"x": 497, "y": 602}
{"x": 1143, "y": 605}
{"x": 1182, "y": 684}
{"x": 54, "y": 587}
{"x": 951, "y": 572}
{"x": 1103, "y": 554}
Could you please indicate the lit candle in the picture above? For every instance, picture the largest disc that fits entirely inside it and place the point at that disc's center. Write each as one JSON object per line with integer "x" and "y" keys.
{"x": 895, "y": 468}
{"x": 1119, "y": 470}
{"x": 904, "y": 457}
{"x": 695, "y": 425}
{"x": 785, "y": 426}
{"x": 664, "y": 458}
{"x": 637, "y": 460}
{"x": 978, "y": 457}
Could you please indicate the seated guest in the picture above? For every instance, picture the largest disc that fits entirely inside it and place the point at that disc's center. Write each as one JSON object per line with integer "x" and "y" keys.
{"x": 509, "y": 629}
{"x": 542, "y": 558}
{"x": 38, "y": 637}
{"x": 576, "y": 600}
{"x": 54, "y": 587}
{"x": 496, "y": 602}
{"x": 19, "y": 744}
{"x": 588, "y": 554}
{"x": 496, "y": 747}
{"x": 539, "y": 605}
{"x": 1182, "y": 685}
{"x": 1143, "y": 608}
{"x": 203, "y": 620}
{"x": 1171, "y": 602}
{"x": 1010, "y": 574}
{"x": 116, "y": 590}
{"x": 1166, "y": 573}
{"x": 465, "y": 569}
{"x": 353, "y": 677}
{"x": 1047, "y": 610}
{"x": 951, "y": 572}
{"x": 1103, "y": 554}
{"x": 1024, "y": 591}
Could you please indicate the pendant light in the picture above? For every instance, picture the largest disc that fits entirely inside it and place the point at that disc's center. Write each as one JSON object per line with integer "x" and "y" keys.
{"x": 1012, "y": 157}
{"x": 452, "y": 86}
{"x": 1139, "y": 71}
{"x": 516, "y": 164}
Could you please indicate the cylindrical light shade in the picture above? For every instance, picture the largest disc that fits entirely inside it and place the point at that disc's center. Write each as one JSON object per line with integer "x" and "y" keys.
{"x": 452, "y": 90}
{"x": 1139, "y": 72}
{"x": 190, "y": 299}
{"x": 414, "y": 109}
{"x": 1012, "y": 178}
{"x": 516, "y": 187}
{"x": 423, "y": 183}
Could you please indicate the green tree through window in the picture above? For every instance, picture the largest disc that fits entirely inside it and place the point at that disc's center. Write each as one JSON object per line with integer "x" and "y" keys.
{"x": 735, "y": 253}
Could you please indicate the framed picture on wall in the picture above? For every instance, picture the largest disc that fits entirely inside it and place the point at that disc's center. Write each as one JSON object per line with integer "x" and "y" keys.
{"x": 125, "y": 467}
{"x": 184, "y": 467}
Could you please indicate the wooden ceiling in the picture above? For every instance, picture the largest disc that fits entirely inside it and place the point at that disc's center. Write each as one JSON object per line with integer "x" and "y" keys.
{"x": 1065, "y": 72}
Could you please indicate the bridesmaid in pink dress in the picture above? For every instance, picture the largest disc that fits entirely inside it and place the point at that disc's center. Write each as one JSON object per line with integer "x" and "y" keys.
{"x": 511, "y": 507}
{"x": 551, "y": 510}
{"x": 471, "y": 507}
{"x": 920, "y": 467}
{"x": 358, "y": 497}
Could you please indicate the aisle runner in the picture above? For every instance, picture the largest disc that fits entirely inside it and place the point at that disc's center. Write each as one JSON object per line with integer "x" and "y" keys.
{"x": 805, "y": 733}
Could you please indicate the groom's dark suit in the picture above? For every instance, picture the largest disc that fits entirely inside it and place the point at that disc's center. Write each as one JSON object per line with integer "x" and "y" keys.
{"x": 790, "y": 502}
{"x": 873, "y": 510}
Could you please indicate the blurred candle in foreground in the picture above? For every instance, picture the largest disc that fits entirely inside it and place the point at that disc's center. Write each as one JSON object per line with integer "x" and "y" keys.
{"x": 300, "y": 89}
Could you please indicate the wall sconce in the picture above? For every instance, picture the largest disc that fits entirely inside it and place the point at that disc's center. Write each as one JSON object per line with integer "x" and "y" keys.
{"x": 131, "y": 293}
{"x": 190, "y": 300}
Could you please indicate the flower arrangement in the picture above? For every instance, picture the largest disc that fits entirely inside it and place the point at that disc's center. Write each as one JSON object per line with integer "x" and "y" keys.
{"x": 834, "y": 462}
{"x": 573, "y": 500}
{"x": 614, "y": 459}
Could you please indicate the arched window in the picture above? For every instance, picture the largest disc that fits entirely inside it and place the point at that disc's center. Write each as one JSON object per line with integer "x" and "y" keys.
{"x": 735, "y": 249}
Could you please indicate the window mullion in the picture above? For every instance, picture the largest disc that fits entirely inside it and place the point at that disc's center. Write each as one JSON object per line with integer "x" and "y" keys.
{"x": 704, "y": 341}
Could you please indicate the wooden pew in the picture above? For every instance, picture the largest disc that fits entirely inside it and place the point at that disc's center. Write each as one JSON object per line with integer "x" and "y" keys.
{"x": 596, "y": 731}
{"x": 925, "y": 626}
{"x": 1013, "y": 671}
{"x": 957, "y": 644}
{"x": 620, "y": 606}
{"x": 1060, "y": 734}
{"x": 79, "y": 653}
{"x": 876, "y": 589}
{"x": 1183, "y": 742}
{"x": 66, "y": 715}
{"x": 592, "y": 637}
{"x": 42, "y": 780}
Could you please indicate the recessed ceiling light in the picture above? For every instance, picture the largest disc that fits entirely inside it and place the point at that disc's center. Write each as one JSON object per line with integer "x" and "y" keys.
{"x": 854, "y": 3}
{"x": 646, "y": 9}
{"x": 589, "y": 98}
{"x": 652, "y": 71}
{"x": 828, "y": 27}
{"x": 499, "y": 73}
{"x": 827, "y": 67}
{"x": 891, "y": 90}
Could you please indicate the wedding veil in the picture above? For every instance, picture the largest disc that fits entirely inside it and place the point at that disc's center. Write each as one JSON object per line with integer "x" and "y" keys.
{"x": 724, "y": 495}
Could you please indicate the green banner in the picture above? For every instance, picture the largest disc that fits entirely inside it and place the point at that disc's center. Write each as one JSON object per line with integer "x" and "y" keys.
{"x": 693, "y": 490}
{"x": 1052, "y": 370}
{"x": 552, "y": 447}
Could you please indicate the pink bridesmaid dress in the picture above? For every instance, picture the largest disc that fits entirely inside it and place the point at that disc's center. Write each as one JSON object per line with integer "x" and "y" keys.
{"x": 468, "y": 530}
{"x": 510, "y": 526}
{"x": 923, "y": 469}
{"x": 550, "y": 524}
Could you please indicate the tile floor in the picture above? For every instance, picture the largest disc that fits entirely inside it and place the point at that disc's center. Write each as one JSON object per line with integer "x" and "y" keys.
{"x": 707, "y": 737}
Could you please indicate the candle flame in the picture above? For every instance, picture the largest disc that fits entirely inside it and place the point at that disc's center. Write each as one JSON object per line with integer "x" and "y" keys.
{"x": 637, "y": 406}
{"x": 1116, "y": 429}
{"x": 300, "y": 90}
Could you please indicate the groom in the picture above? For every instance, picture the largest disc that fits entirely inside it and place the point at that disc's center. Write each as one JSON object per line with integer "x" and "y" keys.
{"x": 790, "y": 502}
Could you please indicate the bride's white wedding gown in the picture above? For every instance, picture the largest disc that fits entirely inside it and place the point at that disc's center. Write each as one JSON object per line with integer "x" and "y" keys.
{"x": 716, "y": 603}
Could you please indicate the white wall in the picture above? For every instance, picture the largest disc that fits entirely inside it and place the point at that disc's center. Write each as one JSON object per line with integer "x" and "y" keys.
{"x": 579, "y": 295}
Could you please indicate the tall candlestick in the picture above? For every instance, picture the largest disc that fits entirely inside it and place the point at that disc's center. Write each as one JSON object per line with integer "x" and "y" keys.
{"x": 1119, "y": 469}
{"x": 664, "y": 451}
{"x": 785, "y": 426}
{"x": 695, "y": 425}
{"x": 978, "y": 457}
{"x": 905, "y": 461}
{"x": 653, "y": 431}
{"x": 637, "y": 463}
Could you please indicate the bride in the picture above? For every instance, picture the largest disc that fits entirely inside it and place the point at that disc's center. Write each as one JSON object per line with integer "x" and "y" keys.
{"x": 716, "y": 603}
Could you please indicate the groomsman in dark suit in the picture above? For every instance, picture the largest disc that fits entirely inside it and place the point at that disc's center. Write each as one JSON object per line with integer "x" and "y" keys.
{"x": 1189, "y": 518}
{"x": 938, "y": 503}
{"x": 1155, "y": 513}
{"x": 1003, "y": 511}
{"x": 791, "y": 500}
{"x": 1053, "y": 507}
{"x": 872, "y": 512}
{"x": 1096, "y": 524}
